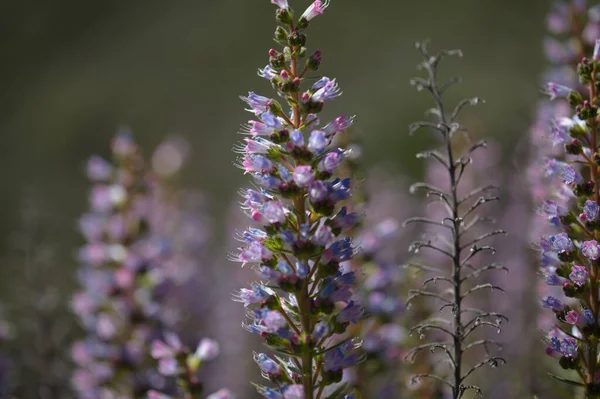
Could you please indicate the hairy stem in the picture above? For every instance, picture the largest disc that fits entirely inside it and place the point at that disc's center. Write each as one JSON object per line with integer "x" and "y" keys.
{"x": 593, "y": 347}
{"x": 456, "y": 223}
{"x": 303, "y": 298}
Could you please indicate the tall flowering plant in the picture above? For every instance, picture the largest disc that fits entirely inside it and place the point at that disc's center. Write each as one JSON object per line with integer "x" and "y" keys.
{"x": 115, "y": 304}
{"x": 573, "y": 29}
{"x": 458, "y": 242}
{"x": 124, "y": 278}
{"x": 570, "y": 255}
{"x": 305, "y": 300}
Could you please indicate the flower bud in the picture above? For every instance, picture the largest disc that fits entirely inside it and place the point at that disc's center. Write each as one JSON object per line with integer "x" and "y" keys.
{"x": 297, "y": 39}
{"x": 584, "y": 70}
{"x": 574, "y": 98}
{"x": 314, "y": 62}
{"x": 284, "y": 16}
{"x": 281, "y": 35}
{"x": 277, "y": 61}
{"x": 574, "y": 147}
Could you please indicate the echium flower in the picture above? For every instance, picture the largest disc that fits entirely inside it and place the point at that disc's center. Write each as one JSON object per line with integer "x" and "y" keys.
{"x": 457, "y": 245}
{"x": 573, "y": 30}
{"x": 305, "y": 301}
{"x": 177, "y": 361}
{"x": 120, "y": 305}
{"x": 570, "y": 249}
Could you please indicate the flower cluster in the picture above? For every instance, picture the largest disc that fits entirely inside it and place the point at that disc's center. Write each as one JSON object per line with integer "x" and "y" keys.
{"x": 566, "y": 178}
{"x": 569, "y": 255}
{"x": 305, "y": 301}
{"x": 121, "y": 303}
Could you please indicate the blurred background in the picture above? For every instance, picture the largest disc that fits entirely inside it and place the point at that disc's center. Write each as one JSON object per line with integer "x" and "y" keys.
{"x": 74, "y": 72}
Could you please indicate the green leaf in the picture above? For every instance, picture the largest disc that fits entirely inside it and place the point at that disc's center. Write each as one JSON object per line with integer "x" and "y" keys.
{"x": 273, "y": 244}
{"x": 337, "y": 393}
{"x": 570, "y": 382}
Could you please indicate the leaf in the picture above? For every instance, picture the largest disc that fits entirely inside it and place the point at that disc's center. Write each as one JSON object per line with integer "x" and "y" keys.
{"x": 337, "y": 394}
{"x": 333, "y": 347}
{"x": 570, "y": 382}
{"x": 274, "y": 244}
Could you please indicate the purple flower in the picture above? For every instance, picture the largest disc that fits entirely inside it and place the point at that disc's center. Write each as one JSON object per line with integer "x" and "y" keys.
{"x": 280, "y": 3}
{"x": 271, "y": 120}
{"x": 351, "y": 313}
{"x": 340, "y": 190}
{"x": 553, "y": 167}
{"x": 257, "y": 163}
{"x": 323, "y": 235}
{"x": 555, "y": 344}
{"x": 578, "y": 275}
{"x": 122, "y": 144}
{"x": 316, "y": 8}
{"x": 559, "y": 134}
{"x": 255, "y": 295}
{"x": 258, "y": 104}
{"x": 572, "y": 318}
{"x": 295, "y": 391}
{"x": 553, "y": 211}
{"x": 303, "y": 175}
{"x": 317, "y": 191}
{"x": 274, "y": 212}
{"x": 168, "y": 366}
{"x": 344, "y": 220}
{"x": 339, "y": 251}
{"x": 321, "y": 330}
{"x": 267, "y": 365}
{"x": 551, "y": 302}
{"x": 317, "y": 141}
{"x": 255, "y": 252}
{"x": 267, "y": 181}
{"x": 297, "y": 138}
{"x": 328, "y": 90}
{"x": 591, "y": 210}
{"x": 553, "y": 279}
{"x": 161, "y": 350}
{"x": 221, "y": 394}
{"x": 272, "y": 320}
{"x": 561, "y": 242}
{"x": 569, "y": 347}
{"x": 339, "y": 358}
{"x": 269, "y": 393}
{"x": 258, "y": 145}
{"x": 268, "y": 72}
{"x": 570, "y": 175}
{"x": 98, "y": 169}
{"x": 330, "y": 161}
{"x": 207, "y": 349}
{"x": 338, "y": 125}
{"x": 555, "y": 90}
{"x": 302, "y": 270}
{"x": 590, "y": 249}
{"x": 257, "y": 128}
{"x": 589, "y": 316}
